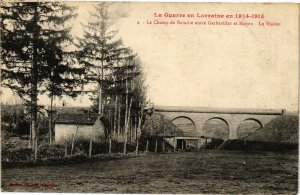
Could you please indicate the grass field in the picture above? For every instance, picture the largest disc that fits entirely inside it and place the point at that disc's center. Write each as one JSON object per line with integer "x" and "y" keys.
{"x": 207, "y": 171}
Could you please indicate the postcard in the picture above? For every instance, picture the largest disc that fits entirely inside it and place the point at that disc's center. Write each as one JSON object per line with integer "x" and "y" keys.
{"x": 149, "y": 97}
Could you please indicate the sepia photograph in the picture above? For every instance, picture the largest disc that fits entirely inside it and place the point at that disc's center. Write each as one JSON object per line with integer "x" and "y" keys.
{"x": 149, "y": 97}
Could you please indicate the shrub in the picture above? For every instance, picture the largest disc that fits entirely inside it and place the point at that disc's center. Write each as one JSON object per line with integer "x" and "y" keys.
{"x": 17, "y": 155}
{"x": 213, "y": 144}
{"x": 258, "y": 145}
{"x": 51, "y": 151}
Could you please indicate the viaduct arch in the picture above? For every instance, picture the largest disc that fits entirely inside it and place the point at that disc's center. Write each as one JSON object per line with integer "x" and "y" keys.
{"x": 233, "y": 118}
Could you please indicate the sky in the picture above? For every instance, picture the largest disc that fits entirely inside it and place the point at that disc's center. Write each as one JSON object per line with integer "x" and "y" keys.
{"x": 229, "y": 66}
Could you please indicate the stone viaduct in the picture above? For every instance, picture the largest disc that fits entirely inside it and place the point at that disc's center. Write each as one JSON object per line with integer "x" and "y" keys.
{"x": 233, "y": 118}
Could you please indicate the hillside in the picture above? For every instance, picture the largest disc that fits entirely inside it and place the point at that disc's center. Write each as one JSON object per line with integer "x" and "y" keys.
{"x": 283, "y": 129}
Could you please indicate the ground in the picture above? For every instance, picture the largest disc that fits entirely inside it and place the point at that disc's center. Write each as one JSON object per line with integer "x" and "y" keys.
{"x": 207, "y": 171}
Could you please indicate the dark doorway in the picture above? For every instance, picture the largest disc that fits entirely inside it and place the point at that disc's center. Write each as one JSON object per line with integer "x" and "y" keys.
{"x": 181, "y": 144}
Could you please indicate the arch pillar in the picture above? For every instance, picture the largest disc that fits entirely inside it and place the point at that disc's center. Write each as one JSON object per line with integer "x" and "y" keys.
{"x": 233, "y": 126}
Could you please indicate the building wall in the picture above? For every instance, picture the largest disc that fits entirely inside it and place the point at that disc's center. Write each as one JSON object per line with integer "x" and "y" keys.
{"x": 67, "y": 131}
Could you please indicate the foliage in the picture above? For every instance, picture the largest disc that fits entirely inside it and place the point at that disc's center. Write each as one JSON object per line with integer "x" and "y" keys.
{"x": 14, "y": 120}
{"x": 100, "y": 49}
{"x": 38, "y": 58}
{"x": 34, "y": 40}
{"x": 213, "y": 144}
{"x": 21, "y": 154}
{"x": 17, "y": 154}
{"x": 113, "y": 69}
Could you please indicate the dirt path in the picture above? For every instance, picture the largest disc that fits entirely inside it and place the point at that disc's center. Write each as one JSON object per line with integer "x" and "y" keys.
{"x": 207, "y": 171}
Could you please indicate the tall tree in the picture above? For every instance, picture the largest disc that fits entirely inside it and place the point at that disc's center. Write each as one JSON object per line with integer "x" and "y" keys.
{"x": 111, "y": 67}
{"x": 129, "y": 94}
{"x": 101, "y": 49}
{"x": 64, "y": 79}
{"x": 34, "y": 38}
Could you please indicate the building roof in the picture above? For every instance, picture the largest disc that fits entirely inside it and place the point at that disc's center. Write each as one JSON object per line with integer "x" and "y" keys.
{"x": 83, "y": 119}
{"x": 157, "y": 126}
{"x": 70, "y": 109}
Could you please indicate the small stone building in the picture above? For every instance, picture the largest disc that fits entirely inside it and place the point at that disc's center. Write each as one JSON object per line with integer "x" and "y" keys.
{"x": 78, "y": 125}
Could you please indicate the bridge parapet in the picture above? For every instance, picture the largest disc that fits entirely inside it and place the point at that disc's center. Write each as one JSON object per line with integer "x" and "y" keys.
{"x": 219, "y": 110}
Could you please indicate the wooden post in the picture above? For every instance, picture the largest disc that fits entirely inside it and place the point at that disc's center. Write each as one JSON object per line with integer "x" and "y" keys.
{"x": 147, "y": 144}
{"x": 163, "y": 146}
{"x": 155, "y": 145}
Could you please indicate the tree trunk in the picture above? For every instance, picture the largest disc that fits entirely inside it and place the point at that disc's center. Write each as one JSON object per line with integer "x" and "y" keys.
{"x": 51, "y": 120}
{"x": 34, "y": 91}
{"x": 66, "y": 149}
{"x": 140, "y": 121}
{"x": 135, "y": 127}
{"x": 100, "y": 111}
{"x": 100, "y": 100}
{"x": 72, "y": 146}
{"x": 30, "y": 135}
{"x": 147, "y": 145}
{"x": 119, "y": 119}
{"x": 73, "y": 140}
{"x": 125, "y": 143}
{"x": 174, "y": 144}
{"x": 90, "y": 148}
{"x": 155, "y": 145}
{"x": 126, "y": 104}
{"x": 126, "y": 127}
{"x": 130, "y": 128}
{"x": 116, "y": 113}
{"x": 109, "y": 145}
{"x": 35, "y": 149}
{"x": 137, "y": 147}
{"x": 163, "y": 146}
